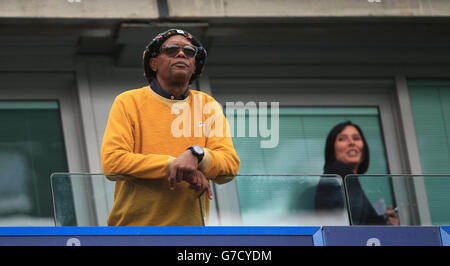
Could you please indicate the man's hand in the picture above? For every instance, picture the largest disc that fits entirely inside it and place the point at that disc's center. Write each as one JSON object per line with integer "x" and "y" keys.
{"x": 183, "y": 168}
{"x": 200, "y": 183}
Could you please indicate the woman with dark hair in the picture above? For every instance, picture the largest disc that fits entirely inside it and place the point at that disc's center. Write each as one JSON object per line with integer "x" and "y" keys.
{"x": 346, "y": 153}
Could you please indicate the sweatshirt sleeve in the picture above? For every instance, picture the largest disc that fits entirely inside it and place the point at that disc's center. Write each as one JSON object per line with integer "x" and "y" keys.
{"x": 221, "y": 161}
{"x": 117, "y": 157}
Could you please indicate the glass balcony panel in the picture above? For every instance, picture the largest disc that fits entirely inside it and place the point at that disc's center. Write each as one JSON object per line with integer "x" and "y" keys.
{"x": 423, "y": 200}
{"x": 247, "y": 200}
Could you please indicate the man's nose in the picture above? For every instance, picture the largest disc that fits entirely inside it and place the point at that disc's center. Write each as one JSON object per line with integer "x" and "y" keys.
{"x": 180, "y": 53}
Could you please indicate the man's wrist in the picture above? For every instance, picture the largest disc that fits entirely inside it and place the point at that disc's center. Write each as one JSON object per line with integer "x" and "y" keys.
{"x": 198, "y": 152}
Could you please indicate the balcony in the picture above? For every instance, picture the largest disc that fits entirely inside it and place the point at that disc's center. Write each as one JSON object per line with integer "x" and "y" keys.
{"x": 82, "y": 199}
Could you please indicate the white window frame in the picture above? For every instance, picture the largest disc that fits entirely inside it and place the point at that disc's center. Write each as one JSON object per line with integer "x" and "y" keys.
{"x": 21, "y": 86}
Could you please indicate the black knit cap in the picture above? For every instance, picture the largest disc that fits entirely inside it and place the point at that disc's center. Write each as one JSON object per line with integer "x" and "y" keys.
{"x": 153, "y": 48}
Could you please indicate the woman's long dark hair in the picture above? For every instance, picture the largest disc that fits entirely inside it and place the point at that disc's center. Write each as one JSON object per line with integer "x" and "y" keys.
{"x": 330, "y": 155}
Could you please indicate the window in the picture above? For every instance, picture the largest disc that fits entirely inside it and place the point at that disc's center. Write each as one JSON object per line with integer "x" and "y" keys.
{"x": 31, "y": 148}
{"x": 430, "y": 104}
{"x": 300, "y": 150}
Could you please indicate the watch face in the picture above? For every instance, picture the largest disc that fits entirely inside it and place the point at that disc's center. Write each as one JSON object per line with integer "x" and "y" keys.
{"x": 197, "y": 149}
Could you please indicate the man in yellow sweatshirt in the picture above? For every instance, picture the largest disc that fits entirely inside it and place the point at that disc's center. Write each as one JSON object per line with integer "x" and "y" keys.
{"x": 167, "y": 141}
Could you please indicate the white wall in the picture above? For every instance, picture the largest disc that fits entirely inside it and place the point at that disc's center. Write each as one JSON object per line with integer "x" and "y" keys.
{"x": 104, "y": 9}
{"x": 148, "y": 9}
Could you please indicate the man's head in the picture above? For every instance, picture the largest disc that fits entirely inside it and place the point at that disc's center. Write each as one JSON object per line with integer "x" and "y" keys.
{"x": 171, "y": 55}
{"x": 176, "y": 60}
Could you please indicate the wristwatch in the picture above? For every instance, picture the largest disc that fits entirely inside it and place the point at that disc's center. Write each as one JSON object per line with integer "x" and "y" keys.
{"x": 198, "y": 152}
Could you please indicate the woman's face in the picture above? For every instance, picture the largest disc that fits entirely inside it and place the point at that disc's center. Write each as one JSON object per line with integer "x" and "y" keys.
{"x": 349, "y": 146}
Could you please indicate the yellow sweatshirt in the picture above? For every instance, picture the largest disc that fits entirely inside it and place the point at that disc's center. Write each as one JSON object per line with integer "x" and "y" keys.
{"x": 144, "y": 134}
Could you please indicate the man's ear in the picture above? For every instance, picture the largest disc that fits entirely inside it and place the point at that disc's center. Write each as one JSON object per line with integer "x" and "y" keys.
{"x": 153, "y": 64}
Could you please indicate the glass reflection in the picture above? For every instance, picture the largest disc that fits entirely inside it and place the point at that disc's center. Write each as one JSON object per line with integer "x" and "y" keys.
{"x": 411, "y": 199}
{"x": 278, "y": 200}
{"x": 248, "y": 200}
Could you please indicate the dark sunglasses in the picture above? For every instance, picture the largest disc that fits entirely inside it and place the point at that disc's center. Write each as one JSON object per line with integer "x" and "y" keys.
{"x": 172, "y": 50}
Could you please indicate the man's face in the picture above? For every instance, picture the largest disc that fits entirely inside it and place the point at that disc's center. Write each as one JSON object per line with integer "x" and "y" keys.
{"x": 178, "y": 68}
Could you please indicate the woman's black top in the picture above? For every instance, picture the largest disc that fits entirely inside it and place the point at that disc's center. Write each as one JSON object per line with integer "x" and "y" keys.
{"x": 329, "y": 195}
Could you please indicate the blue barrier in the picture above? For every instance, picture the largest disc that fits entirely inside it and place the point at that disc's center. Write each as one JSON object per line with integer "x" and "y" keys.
{"x": 161, "y": 236}
{"x": 445, "y": 235}
{"x": 381, "y": 236}
{"x": 227, "y": 236}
